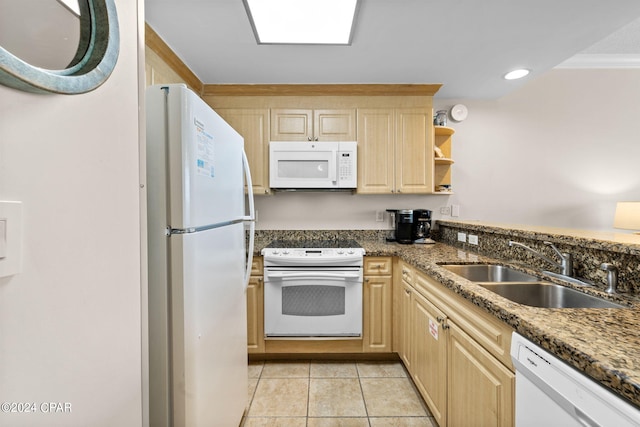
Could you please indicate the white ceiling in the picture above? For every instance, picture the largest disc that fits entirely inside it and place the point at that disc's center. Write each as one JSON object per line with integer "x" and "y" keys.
{"x": 468, "y": 45}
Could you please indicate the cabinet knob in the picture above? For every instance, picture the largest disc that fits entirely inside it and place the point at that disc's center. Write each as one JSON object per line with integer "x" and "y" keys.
{"x": 445, "y": 326}
{"x": 316, "y": 138}
{"x": 366, "y": 280}
{"x": 440, "y": 319}
{"x": 407, "y": 291}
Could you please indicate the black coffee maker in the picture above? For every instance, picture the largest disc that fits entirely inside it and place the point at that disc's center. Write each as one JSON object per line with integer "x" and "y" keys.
{"x": 404, "y": 225}
{"x": 412, "y": 225}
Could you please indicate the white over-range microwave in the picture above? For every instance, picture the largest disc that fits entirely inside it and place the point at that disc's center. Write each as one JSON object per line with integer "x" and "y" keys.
{"x": 319, "y": 165}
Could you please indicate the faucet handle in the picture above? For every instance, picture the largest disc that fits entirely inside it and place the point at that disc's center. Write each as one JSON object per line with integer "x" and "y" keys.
{"x": 612, "y": 277}
{"x": 556, "y": 250}
{"x": 608, "y": 267}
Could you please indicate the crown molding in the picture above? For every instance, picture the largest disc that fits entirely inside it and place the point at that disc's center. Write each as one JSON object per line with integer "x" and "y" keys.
{"x": 586, "y": 61}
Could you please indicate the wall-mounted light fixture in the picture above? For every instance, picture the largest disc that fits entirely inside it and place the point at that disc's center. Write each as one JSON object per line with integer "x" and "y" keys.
{"x": 302, "y": 22}
{"x": 627, "y": 216}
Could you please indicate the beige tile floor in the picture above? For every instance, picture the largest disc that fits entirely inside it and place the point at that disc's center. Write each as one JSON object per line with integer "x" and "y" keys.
{"x": 333, "y": 394}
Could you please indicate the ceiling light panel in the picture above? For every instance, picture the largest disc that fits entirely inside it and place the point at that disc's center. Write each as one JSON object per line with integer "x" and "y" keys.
{"x": 302, "y": 21}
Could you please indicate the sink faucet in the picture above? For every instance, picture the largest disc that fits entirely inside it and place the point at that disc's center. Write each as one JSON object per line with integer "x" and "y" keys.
{"x": 612, "y": 277}
{"x": 566, "y": 259}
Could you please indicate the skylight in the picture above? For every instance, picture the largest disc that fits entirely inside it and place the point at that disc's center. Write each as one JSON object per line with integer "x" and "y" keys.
{"x": 302, "y": 21}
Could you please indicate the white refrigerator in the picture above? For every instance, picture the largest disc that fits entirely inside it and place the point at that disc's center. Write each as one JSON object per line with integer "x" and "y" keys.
{"x": 199, "y": 262}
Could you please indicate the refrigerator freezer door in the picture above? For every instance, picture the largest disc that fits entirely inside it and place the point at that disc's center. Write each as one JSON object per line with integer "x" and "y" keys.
{"x": 204, "y": 158}
{"x": 208, "y": 337}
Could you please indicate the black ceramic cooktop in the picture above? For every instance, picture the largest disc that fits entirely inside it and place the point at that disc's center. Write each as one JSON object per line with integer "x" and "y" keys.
{"x": 313, "y": 244}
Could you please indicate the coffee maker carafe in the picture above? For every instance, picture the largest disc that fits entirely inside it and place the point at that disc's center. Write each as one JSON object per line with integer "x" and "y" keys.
{"x": 421, "y": 230}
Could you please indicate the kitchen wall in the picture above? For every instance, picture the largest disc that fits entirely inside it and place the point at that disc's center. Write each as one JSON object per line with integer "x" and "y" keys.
{"x": 560, "y": 151}
{"x": 71, "y": 321}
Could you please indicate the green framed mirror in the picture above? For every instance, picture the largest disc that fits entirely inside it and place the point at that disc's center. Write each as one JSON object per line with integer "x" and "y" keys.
{"x": 70, "y": 46}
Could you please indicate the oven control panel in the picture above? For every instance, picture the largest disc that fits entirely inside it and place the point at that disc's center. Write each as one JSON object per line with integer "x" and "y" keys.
{"x": 311, "y": 253}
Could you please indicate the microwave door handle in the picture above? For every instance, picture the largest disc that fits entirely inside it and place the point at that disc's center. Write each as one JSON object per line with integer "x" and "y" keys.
{"x": 336, "y": 164}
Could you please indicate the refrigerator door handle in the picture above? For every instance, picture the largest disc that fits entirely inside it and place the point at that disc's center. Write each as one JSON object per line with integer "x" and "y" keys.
{"x": 250, "y": 219}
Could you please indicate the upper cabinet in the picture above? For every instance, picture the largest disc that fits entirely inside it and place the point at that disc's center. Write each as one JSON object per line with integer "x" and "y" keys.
{"x": 313, "y": 125}
{"x": 253, "y": 125}
{"x": 395, "y": 151}
{"x": 442, "y": 159}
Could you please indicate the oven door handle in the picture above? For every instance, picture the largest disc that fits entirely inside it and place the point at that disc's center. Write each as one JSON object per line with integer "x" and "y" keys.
{"x": 312, "y": 274}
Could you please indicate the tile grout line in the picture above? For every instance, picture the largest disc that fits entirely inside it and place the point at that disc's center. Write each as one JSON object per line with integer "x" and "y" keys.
{"x": 364, "y": 401}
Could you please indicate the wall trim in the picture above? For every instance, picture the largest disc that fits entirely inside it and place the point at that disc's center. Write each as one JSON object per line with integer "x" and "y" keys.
{"x": 320, "y": 89}
{"x": 586, "y": 61}
{"x": 156, "y": 44}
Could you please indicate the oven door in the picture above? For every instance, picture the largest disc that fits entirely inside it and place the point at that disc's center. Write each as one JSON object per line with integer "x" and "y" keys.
{"x": 313, "y": 303}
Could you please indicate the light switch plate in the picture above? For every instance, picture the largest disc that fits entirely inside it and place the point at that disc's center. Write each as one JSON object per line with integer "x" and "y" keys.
{"x": 11, "y": 213}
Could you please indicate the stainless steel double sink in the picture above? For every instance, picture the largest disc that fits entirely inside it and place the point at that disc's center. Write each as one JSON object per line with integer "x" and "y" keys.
{"x": 526, "y": 289}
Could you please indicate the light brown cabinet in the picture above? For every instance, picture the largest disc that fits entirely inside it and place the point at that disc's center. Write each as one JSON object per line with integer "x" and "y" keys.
{"x": 255, "y": 308}
{"x": 429, "y": 355}
{"x": 489, "y": 401}
{"x": 395, "y": 151}
{"x": 313, "y": 125}
{"x": 458, "y": 355}
{"x": 253, "y": 125}
{"x": 377, "y": 305}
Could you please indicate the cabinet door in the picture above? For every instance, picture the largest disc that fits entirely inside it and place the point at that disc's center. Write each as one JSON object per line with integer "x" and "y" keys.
{"x": 414, "y": 151}
{"x": 255, "y": 315}
{"x": 291, "y": 125}
{"x": 375, "y": 151}
{"x": 377, "y": 314}
{"x": 481, "y": 389}
{"x": 404, "y": 331}
{"x": 334, "y": 125}
{"x": 253, "y": 125}
{"x": 429, "y": 355}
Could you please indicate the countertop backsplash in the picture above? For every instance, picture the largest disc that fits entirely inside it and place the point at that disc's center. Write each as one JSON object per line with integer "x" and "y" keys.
{"x": 589, "y": 250}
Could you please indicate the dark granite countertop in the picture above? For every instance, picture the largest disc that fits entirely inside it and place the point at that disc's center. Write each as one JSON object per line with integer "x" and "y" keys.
{"x": 602, "y": 343}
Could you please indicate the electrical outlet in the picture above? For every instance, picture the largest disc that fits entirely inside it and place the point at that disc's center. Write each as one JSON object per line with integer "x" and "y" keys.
{"x": 379, "y": 216}
{"x": 473, "y": 240}
{"x": 462, "y": 237}
{"x": 445, "y": 210}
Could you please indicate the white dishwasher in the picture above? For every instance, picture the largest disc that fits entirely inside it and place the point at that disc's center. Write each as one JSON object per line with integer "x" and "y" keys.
{"x": 551, "y": 393}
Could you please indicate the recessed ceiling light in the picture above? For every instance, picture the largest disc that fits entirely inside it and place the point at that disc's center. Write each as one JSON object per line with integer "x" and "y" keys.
{"x": 516, "y": 74}
{"x": 302, "y": 21}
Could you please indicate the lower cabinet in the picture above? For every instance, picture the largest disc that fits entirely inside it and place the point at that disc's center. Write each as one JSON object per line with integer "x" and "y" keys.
{"x": 255, "y": 308}
{"x": 429, "y": 355}
{"x": 462, "y": 382}
{"x": 481, "y": 389}
{"x": 377, "y": 299}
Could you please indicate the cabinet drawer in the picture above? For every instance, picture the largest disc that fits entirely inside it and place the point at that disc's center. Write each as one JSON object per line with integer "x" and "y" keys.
{"x": 407, "y": 273}
{"x": 488, "y": 331}
{"x": 256, "y": 266}
{"x": 377, "y": 266}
